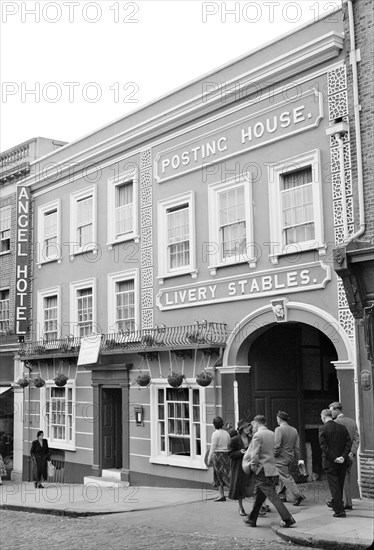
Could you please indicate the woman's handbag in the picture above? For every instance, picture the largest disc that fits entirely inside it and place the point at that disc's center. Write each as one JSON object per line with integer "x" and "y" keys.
{"x": 206, "y": 459}
{"x": 51, "y": 469}
{"x": 246, "y": 463}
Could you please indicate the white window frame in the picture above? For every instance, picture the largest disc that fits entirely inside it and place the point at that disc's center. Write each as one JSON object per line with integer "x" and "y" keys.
{"x": 275, "y": 171}
{"x": 2, "y": 331}
{"x": 74, "y": 288}
{"x": 113, "y": 279}
{"x": 67, "y": 444}
{"x": 113, "y": 183}
{"x": 163, "y": 207}
{"x": 41, "y": 295}
{"x": 42, "y": 211}
{"x": 74, "y": 199}
{"x": 9, "y": 208}
{"x": 214, "y": 248}
{"x": 160, "y": 457}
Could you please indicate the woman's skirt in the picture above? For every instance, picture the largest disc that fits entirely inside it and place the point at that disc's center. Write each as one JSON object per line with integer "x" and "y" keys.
{"x": 221, "y": 469}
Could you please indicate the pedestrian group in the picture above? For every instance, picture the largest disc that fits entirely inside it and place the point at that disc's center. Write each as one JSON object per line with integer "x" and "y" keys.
{"x": 258, "y": 462}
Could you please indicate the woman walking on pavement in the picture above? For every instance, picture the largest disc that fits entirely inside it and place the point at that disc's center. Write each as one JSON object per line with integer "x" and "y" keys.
{"x": 241, "y": 484}
{"x": 219, "y": 457}
{"x": 40, "y": 455}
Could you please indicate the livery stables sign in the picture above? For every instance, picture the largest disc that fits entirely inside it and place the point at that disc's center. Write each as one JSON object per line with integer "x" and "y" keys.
{"x": 278, "y": 121}
{"x": 22, "y": 259}
{"x": 301, "y": 278}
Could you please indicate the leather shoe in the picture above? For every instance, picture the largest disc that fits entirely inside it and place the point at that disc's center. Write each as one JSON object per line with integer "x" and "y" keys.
{"x": 250, "y": 522}
{"x": 40, "y": 486}
{"x": 283, "y": 499}
{"x": 299, "y": 500}
{"x": 329, "y": 503}
{"x": 266, "y": 507}
{"x": 340, "y": 515}
{"x": 348, "y": 507}
{"x": 288, "y": 522}
{"x": 220, "y": 499}
{"x": 242, "y": 513}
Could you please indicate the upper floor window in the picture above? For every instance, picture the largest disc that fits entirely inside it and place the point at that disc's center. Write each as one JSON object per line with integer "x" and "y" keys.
{"x": 58, "y": 419}
{"x": 122, "y": 207}
{"x": 4, "y": 310}
{"x": 48, "y": 313}
{"x": 297, "y": 206}
{"x": 296, "y": 221}
{"x": 230, "y": 223}
{"x": 5, "y": 220}
{"x": 83, "y": 221}
{"x": 82, "y": 307}
{"x": 176, "y": 225}
{"x": 50, "y": 318}
{"x": 49, "y": 232}
{"x": 177, "y": 426}
{"x": 123, "y": 301}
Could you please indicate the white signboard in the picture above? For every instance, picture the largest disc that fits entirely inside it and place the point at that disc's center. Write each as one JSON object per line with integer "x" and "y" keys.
{"x": 89, "y": 350}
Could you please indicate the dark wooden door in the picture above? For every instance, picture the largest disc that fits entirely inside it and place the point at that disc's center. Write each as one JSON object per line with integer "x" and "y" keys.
{"x": 275, "y": 375}
{"x": 111, "y": 428}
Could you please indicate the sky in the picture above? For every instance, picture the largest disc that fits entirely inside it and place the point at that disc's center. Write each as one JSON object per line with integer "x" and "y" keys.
{"x": 69, "y": 67}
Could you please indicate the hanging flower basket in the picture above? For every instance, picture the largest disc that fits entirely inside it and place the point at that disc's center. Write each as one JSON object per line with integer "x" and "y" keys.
{"x": 23, "y": 382}
{"x": 60, "y": 379}
{"x": 175, "y": 379}
{"x": 204, "y": 378}
{"x": 39, "y": 382}
{"x": 143, "y": 379}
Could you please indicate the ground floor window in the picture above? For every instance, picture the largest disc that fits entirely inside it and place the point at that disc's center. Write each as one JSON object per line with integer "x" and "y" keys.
{"x": 177, "y": 425}
{"x": 59, "y": 415}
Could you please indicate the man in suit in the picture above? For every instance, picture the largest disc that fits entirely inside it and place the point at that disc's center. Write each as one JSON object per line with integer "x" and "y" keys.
{"x": 260, "y": 454}
{"x": 336, "y": 444}
{"x": 337, "y": 415}
{"x": 286, "y": 450}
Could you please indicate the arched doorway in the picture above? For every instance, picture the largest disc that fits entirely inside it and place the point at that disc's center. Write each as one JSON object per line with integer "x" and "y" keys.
{"x": 292, "y": 370}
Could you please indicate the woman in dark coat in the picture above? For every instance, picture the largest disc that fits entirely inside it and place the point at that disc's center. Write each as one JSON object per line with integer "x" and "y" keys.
{"x": 40, "y": 455}
{"x": 242, "y": 484}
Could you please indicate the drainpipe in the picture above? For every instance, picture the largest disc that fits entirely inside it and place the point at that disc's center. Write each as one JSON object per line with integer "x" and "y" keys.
{"x": 28, "y": 418}
{"x": 216, "y": 363}
{"x": 355, "y": 57}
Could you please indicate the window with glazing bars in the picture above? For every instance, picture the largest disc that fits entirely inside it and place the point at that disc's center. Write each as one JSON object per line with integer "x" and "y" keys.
{"x": 124, "y": 208}
{"x": 59, "y": 413}
{"x": 232, "y": 228}
{"x": 50, "y": 234}
{"x": 85, "y": 221}
{"x": 179, "y": 424}
{"x": 84, "y": 303}
{"x": 178, "y": 236}
{"x": 297, "y": 206}
{"x": 50, "y": 318}
{"x": 125, "y": 305}
{"x": 5, "y": 220}
{"x": 4, "y": 310}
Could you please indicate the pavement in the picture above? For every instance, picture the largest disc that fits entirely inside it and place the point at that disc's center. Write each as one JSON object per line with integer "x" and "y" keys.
{"x": 315, "y": 525}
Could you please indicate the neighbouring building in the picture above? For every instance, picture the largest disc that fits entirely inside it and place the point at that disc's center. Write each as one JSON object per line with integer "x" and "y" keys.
{"x": 15, "y": 166}
{"x": 196, "y": 235}
{"x": 354, "y": 255}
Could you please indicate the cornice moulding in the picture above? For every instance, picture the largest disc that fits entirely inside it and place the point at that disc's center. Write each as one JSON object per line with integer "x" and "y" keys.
{"x": 316, "y": 52}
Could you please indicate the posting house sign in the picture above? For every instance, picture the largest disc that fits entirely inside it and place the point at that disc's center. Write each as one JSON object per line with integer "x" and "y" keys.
{"x": 22, "y": 259}
{"x": 283, "y": 118}
{"x": 301, "y": 278}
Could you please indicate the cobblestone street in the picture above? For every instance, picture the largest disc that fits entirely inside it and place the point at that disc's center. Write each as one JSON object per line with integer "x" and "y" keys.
{"x": 135, "y": 531}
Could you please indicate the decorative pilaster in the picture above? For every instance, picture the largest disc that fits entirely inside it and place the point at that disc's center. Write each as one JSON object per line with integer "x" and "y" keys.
{"x": 146, "y": 240}
{"x": 338, "y": 110}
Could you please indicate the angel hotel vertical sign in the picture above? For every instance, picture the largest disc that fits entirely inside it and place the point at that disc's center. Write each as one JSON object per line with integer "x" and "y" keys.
{"x": 22, "y": 259}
